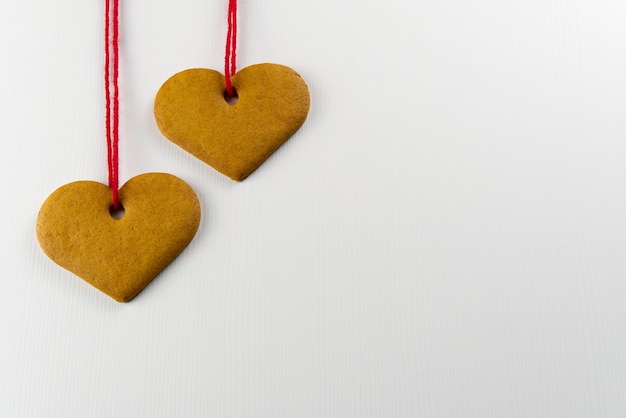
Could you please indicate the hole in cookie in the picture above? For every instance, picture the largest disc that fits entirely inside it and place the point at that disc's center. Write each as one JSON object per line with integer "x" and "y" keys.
{"x": 231, "y": 100}
{"x": 118, "y": 213}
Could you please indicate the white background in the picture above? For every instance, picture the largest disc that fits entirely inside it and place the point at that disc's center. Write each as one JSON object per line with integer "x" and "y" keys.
{"x": 444, "y": 237}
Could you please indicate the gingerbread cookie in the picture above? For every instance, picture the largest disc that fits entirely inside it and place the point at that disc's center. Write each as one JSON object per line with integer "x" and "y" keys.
{"x": 192, "y": 111}
{"x": 120, "y": 257}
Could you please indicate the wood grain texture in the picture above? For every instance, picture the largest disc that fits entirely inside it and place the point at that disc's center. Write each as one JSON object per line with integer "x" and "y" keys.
{"x": 443, "y": 237}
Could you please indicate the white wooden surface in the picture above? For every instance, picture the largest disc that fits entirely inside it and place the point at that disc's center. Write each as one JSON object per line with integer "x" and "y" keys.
{"x": 444, "y": 237}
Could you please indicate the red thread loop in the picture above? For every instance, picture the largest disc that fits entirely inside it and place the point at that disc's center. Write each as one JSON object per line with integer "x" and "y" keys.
{"x": 112, "y": 120}
{"x": 231, "y": 47}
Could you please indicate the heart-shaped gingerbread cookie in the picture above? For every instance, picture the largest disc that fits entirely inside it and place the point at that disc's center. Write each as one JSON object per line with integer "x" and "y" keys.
{"x": 272, "y": 103}
{"x": 120, "y": 257}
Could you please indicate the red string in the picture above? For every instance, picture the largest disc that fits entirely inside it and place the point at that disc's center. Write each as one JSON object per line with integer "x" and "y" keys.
{"x": 231, "y": 47}
{"x": 112, "y": 120}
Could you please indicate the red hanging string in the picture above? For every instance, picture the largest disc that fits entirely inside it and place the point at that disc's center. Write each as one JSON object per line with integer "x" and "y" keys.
{"x": 231, "y": 47}
{"x": 112, "y": 120}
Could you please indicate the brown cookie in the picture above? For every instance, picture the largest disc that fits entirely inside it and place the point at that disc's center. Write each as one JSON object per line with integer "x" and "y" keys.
{"x": 76, "y": 230}
{"x": 191, "y": 110}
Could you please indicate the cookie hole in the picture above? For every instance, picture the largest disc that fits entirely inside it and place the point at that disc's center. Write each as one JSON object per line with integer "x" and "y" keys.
{"x": 118, "y": 213}
{"x": 231, "y": 100}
